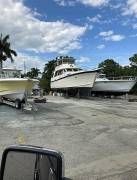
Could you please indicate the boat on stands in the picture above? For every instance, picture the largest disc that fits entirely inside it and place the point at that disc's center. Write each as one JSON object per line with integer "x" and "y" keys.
{"x": 67, "y": 75}
{"x": 12, "y": 86}
{"x": 121, "y": 85}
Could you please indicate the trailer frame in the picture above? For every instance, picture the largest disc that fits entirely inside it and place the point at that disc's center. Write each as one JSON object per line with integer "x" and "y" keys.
{"x": 18, "y": 104}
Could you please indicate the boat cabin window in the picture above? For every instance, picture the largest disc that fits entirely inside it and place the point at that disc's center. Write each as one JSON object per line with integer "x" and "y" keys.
{"x": 55, "y": 73}
{"x": 68, "y": 70}
{"x": 73, "y": 70}
{"x": 77, "y": 69}
{"x": 60, "y": 72}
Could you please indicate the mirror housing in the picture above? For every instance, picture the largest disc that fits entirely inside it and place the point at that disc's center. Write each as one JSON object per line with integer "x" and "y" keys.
{"x": 33, "y": 160}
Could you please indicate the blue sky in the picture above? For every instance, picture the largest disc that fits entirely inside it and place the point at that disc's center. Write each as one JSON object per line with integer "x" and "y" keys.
{"x": 89, "y": 30}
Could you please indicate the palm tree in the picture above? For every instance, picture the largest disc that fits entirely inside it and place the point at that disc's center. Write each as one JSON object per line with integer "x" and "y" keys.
{"x": 5, "y": 50}
{"x": 33, "y": 73}
{"x": 47, "y": 74}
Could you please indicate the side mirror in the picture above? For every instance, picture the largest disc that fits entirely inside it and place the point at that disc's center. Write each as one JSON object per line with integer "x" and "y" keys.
{"x": 31, "y": 163}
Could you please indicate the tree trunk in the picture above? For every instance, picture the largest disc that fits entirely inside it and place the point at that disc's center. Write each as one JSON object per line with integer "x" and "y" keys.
{"x": 1, "y": 65}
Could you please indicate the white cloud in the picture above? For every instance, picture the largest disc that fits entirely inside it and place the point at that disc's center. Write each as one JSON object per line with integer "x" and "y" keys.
{"x": 65, "y": 2}
{"x": 106, "y": 33}
{"x": 89, "y": 26}
{"x": 29, "y": 33}
{"x": 130, "y": 8}
{"x": 135, "y": 26}
{"x": 115, "y": 37}
{"x": 30, "y": 62}
{"x": 83, "y": 59}
{"x": 116, "y": 6}
{"x": 99, "y": 19}
{"x": 110, "y": 36}
{"x": 94, "y": 19}
{"x": 92, "y": 3}
{"x": 126, "y": 22}
{"x": 101, "y": 46}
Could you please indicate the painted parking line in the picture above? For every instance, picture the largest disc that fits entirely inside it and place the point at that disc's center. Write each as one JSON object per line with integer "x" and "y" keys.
{"x": 21, "y": 139}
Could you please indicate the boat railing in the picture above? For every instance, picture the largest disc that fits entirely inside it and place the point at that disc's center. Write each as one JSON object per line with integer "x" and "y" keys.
{"x": 123, "y": 78}
{"x": 9, "y": 74}
{"x": 13, "y": 76}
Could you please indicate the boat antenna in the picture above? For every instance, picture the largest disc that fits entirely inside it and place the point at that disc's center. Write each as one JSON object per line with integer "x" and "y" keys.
{"x": 24, "y": 67}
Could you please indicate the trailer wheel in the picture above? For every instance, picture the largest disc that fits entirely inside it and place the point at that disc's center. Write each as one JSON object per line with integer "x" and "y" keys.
{"x": 18, "y": 104}
{"x": 1, "y": 100}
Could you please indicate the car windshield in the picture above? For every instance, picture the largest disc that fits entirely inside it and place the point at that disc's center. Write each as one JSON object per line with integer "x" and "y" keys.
{"x": 68, "y": 81}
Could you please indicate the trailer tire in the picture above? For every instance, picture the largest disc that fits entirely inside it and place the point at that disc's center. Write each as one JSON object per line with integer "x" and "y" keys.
{"x": 18, "y": 104}
{"x": 1, "y": 99}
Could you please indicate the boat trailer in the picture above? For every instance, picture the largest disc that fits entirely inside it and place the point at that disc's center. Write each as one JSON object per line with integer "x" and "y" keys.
{"x": 18, "y": 104}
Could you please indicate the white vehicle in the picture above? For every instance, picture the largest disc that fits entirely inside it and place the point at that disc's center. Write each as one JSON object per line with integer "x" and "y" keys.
{"x": 68, "y": 75}
{"x": 102, "y": 84}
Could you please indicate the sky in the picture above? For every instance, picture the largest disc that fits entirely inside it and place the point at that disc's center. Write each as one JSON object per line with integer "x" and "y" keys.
{"x": 89, "y": 30}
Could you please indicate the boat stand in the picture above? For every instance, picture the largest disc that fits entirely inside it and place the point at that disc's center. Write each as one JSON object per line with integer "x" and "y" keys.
{"x": 29, "y": 106}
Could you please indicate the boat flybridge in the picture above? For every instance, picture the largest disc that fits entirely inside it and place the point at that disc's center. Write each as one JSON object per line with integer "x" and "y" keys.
{"x": 68, "y": 75}
{"x": 12, "y": 86}
{"x": 113, "y": 85}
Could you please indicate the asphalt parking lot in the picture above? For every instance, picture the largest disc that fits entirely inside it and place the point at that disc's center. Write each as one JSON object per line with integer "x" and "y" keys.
{"x": 97, "y": 137}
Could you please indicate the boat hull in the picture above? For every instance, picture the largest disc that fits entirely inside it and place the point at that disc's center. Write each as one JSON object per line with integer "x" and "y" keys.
{"x": 116, "y": 86}
{"x": 15, "y": 88}
{"x": 77, "y": 80}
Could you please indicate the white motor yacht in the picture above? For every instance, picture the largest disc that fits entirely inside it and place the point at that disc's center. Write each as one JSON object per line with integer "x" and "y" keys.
{"x": 68, "y": 75}
{"x": 103, "y": 84}
{"x": 12, "y": 86}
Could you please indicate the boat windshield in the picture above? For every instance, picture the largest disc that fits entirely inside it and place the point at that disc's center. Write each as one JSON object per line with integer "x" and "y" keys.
{"x": 68, "y": 70}
{"x": 60, "y": 72}
{"x": 77, "y": 69}
{"x": 10, "y": 74}
{"x": 73, "y": 69}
